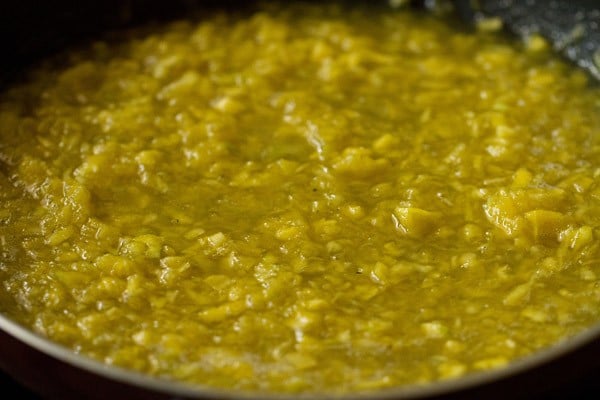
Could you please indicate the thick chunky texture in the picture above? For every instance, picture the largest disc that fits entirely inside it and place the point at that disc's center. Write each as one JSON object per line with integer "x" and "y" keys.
{"x": 308, "y": 198}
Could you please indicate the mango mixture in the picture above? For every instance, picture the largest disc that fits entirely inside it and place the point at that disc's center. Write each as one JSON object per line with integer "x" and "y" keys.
{"x": 308, "y": 198}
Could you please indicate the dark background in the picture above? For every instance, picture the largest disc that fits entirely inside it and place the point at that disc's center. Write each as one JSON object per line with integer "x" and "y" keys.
{"x": 585, "y": 387}
{"x": 31, "y": 29}
{"x": 12, "y": 390}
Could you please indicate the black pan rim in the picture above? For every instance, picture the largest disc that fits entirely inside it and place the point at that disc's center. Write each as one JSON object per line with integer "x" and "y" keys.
{"x": 173, "y": 388}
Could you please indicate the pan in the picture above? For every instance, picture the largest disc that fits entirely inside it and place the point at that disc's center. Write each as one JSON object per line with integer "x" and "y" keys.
{"x": 32, "y": 30}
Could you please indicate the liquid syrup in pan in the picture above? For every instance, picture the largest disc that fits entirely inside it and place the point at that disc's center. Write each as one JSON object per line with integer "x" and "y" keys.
{"x": 307, "y": 199}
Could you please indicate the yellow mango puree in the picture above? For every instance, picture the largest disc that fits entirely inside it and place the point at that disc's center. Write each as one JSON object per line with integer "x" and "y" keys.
{"x": 304, "y": 199}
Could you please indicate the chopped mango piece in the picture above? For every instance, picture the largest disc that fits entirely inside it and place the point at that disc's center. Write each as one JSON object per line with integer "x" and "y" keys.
{"x": 507, "y": 208}
{"x": 545, "y": 225}
{"x": 359, "y": 161}
{"x": 416, "y": 222}
{"x": 519, "y": 295}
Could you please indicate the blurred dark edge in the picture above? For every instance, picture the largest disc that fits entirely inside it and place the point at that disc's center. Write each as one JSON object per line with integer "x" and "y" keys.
{"x": 13, "y": 390}
{"x": 31, "y": 30}
{"x": 571, "y": 26}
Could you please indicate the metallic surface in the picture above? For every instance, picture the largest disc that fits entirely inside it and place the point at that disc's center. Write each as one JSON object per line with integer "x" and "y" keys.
{"x": 58, "y": 373}
{"x": 572, "y": 27}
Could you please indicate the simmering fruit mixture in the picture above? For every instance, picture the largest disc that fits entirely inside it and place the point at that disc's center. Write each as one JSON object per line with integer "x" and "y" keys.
{"x": 303, "y": 198}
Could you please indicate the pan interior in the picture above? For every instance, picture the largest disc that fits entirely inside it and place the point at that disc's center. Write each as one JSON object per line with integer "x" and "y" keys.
{"x": 311, "y": 198}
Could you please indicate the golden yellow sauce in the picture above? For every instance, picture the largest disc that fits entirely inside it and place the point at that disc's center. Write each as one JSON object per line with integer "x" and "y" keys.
{"x": 306, "y": 199}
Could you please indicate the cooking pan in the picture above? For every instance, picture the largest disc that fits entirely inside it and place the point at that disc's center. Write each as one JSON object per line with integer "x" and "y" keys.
{"x": 31, "y": 30}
